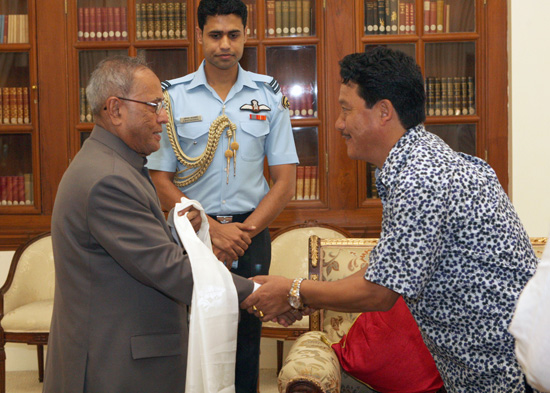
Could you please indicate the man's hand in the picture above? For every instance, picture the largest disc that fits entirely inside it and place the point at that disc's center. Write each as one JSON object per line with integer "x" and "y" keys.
{"x": 270, "y": 300}
{"x": 230, "y": 241}
{"x": 194, "y": 217}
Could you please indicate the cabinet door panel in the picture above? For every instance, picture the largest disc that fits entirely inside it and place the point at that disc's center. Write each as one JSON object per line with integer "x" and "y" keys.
{"x": 460, "y": 137}
{"x": 16, "y": 170}
{"x": 450, "y": 78}
{"x": 295, "y": 68}
{"x": 307, "y": 171}
{"x": 166, "y": 63}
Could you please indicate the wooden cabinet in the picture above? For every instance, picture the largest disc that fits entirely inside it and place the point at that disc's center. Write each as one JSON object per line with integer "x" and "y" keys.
{"x": 469, "y": 49}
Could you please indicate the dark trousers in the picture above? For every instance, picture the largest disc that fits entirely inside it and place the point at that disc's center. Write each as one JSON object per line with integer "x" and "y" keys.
{"x": 254, "y": 262}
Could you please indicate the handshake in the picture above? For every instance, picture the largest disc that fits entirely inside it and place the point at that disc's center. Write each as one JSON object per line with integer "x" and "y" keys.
{"x": 277, "y": 299}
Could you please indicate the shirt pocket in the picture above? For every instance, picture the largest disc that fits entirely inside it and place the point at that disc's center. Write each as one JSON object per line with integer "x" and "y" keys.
{"x": 253, "y": 139}
{"x": 193, "y": 138}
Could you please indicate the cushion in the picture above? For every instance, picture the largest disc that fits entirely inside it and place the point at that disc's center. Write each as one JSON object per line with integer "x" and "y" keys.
{"x": 386, "y": 351}
{"x": 34, "y": 317}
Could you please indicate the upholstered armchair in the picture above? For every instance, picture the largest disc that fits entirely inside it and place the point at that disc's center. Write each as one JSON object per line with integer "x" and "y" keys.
{"x": 312, "y": 365}
{"x": 289, "y": 258}
{"x": 26, "y": 300}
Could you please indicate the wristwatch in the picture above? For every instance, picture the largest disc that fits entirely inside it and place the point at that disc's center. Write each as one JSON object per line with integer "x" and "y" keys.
{"x": 294, "y": 298}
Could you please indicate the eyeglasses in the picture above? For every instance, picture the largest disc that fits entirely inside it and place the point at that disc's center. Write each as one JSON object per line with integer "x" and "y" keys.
{"x": 157, "y": 105}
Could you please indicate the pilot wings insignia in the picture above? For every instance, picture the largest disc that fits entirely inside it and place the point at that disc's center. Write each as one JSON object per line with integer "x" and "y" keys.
{"x": 255, "y": 107}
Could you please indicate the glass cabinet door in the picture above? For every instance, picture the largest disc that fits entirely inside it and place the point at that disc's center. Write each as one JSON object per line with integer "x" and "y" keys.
{"x": 295, "y": 69}
{"x": 450, "y": 79}
{"x": 307, "y": 171}
{"x": 460, "y": 137}
{"x": 166, "y": 63}
{"x": 87, "y": 62}
{"x": 18, "y": 117}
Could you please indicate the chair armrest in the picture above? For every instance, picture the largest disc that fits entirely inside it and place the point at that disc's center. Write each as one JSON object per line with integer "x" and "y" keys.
{"x": 311, "y": 366}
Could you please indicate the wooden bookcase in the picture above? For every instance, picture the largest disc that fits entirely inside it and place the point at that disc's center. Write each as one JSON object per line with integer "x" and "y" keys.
{"x": 58, "y": 64}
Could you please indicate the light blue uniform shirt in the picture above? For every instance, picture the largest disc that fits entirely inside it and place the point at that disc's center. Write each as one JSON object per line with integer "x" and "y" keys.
{"x": 191, "y": 96}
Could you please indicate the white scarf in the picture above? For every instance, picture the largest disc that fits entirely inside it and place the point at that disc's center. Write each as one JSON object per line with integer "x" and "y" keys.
{"x": 214, "y": 311}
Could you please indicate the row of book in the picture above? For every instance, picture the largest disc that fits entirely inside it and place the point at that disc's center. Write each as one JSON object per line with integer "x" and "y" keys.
{"x": 436, "y": 16}
{"x": 307, "y": 183}
{"x": 16, "y": 190}
{"x": 161, "y": 21}
{"x": 14, "y": 105}
{"x": 288, "y": 18}
{"x": 302, "y": 104}
{"x": 14, "y": 29}
{"x": 389, "y": 17}
{"x": 102, "y": 24}
{"x": 251, "y": 29}
{"x": 452, "y": 96}
{"x": 372, "y": 191}
{"x": 85, "y": 108}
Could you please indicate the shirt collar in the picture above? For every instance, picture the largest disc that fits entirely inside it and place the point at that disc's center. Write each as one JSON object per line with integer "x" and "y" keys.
{"x": 116, "y": 144}
{"x": 243, "y": 79}
{"x": 397, "y": 158}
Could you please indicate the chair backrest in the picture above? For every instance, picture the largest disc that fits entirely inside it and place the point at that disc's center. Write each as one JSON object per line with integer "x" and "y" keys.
{"x": 289, "y": 247}
{"x": 334, "y": 259}
{"x": 538, "y": 243}
{"x": 32, "y": 274}
{"x": 331, "y": 260}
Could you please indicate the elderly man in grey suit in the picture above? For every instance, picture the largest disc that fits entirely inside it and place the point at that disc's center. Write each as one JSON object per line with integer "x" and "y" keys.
{"x": 122, "y": 283}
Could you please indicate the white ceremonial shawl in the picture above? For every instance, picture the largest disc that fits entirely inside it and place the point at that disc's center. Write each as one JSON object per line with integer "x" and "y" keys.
{"x": 214, "y": 311}
{"x": 531, "y": 326}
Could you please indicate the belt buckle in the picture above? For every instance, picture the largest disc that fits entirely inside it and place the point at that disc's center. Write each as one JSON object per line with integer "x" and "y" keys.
{"x": 224, "y": 219}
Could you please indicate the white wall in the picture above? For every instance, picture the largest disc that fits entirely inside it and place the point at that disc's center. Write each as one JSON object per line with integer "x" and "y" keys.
{"x": 529, "y": 61}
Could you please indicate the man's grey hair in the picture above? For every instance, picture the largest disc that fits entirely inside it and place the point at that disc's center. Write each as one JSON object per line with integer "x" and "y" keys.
{"x": 113, "y": 76}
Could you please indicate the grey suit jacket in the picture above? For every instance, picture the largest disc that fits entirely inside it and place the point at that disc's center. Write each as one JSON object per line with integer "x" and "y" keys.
{"x": 122, "y": 284}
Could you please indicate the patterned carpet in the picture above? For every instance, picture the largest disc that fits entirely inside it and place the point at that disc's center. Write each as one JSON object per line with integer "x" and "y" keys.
{"x": 27, "y": 382}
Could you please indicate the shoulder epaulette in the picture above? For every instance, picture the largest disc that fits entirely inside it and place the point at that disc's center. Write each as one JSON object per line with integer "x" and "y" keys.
{"x": 274, "y": 85}
{"x": 172, "y": 82}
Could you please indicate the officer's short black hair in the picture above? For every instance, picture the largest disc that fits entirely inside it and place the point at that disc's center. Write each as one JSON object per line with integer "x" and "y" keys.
{"x": 220, "y": 7}
{"x": 382, "y": 73}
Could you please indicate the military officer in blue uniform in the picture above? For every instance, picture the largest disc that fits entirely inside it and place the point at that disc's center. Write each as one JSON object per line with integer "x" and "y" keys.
{"x": 224, "y": 122}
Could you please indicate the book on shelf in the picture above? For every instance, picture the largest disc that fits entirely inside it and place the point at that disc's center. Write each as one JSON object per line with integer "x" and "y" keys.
{"x": 16, "y": 190}
{"x": 278, "y": 18}
{"x": 464, "y": 94}
{"x": 82, "y": 104}
{"x": 306, "y": 17}
{"x": 13, "y": 105}
{"x": 471, "y": 96}
{"x": 285, "y": 24}
{"x": 29, "y": 191}
{"x": 156, "y": 22}
{"x": 177, "y": 21}
{"x": 292, "y": 16}
{"x": 450, "y": 96}
{"x": 184, "y": 20}
{"x": 314, "y": 183}
{"x": 92, "y": 24}
{"x": 381, "y": 18}
{"x": 433, "y": 16}
{"x": 270, "y": 20}
{"x": 123, "y": 23}
{"x": 299, "y": 18}
{"x": 371, "y": 16}
{"x": 19, "y": 104}
{"x": 5, "y": 105}
{"x": 393, "y": 17}
{"x": 307, "y": 182}
{"x": 440, "y": 11}
{"x": 300, "y": 182}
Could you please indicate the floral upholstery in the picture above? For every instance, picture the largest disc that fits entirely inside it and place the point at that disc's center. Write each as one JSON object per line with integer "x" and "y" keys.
{"x": 311, "y": 359}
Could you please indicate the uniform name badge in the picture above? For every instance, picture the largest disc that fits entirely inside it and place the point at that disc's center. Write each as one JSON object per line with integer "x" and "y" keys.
{"x": 190, "y": 119}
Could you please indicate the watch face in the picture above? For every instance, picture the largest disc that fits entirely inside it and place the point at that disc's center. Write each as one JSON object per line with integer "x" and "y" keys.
{"x": 295, "y": 301}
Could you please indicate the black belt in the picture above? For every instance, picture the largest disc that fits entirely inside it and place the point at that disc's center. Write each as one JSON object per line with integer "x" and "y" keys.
{"x": 227, "y": 218}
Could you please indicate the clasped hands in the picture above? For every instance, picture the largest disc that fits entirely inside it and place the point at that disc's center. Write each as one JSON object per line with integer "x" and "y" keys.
{"x": 270, "y": 301}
